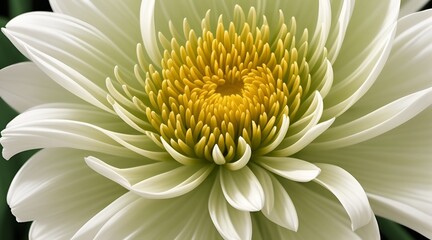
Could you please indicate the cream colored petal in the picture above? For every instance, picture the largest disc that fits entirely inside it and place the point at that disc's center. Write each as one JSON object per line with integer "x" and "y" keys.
{"x": 59, "y": 192}
{"x": 134, "y": 217}
{"x": 230, "y": 222}
{"x": 407, "y": 70}
{"x": 120, "y": 26}
{"x": 395, "y": 167}
{"x": 348, "y": 191}
{"x": 24, "y": 86}
{"x": 289, "y": 168}
{"x": 364, "y": 51}
{"x": 278, "y": 206}
{"x": 341, "y": 15}
{"x": 320, "y": 217}
{"x": 242, "y": 189}
{"x": 75, "y": 126}
{"x": 159, "y": 180}
{"x": 403, "y": 214}
{"x": 375, "y": 123}
{"x": 73, "y": 53}
{"x": 410, "y": 6}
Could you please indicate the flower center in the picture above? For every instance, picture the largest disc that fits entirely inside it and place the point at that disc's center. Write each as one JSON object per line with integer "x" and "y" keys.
{"x": 225, "y": 87}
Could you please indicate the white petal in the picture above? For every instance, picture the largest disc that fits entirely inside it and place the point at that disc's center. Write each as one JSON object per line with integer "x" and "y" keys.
{"x": 24, "y": 86}
{"x": 402, "y": 213}
{"x": 73, "y": 126}
{"x": 120, "y": 26}
{"x": 278, "y": 206}
{"x": 155, "y": 180}
{"x": 242, "y": 189}
{"x": 364, "y": 51}
{"x": 230, "y": 222}
{"x": 319, "y": 218}
{"x": 73, "y": 53}
{"x": 410, "y": 6}
{"x": 305, "y": 140}
{"x": 406, "y": 71}
{"x": 59, "y": 192}
{"x": 134, "y": 217}
{"x": 395, "y": 166}
{"x": 149, "y": 34}
{"x": 289, "y": 168}
{"x": 375, "y": 123}
{"x": 341, "y": 15}
{"x": 348, "y": 191}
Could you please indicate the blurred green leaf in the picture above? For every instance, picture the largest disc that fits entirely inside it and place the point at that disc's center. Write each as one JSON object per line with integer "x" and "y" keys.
{"x": 17, "y": 7}
{"x": 393, "y": 231}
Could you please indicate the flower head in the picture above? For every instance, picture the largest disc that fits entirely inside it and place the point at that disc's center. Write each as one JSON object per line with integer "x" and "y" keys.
{"x": 191, "y": 120}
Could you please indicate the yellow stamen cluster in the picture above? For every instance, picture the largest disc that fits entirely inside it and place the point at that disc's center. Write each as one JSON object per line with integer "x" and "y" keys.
{"x": 230, "y": 82}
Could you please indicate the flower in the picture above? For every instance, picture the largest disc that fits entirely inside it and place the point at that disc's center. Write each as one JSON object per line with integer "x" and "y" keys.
{"x": 192, "y": 120}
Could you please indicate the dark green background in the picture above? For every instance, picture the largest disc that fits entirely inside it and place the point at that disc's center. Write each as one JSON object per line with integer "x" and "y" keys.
{"x": 9, "y": 228}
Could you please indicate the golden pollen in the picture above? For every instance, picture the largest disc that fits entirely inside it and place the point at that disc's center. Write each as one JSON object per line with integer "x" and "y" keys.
{"x": 217, "y": 87}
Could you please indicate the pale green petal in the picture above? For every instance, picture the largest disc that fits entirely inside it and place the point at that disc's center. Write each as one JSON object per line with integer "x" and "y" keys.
{"x": 278, "y": 206}
{"x": 407, "y": 70}
{"x": 159, "y": 180}
{"x": 319, "y": 218}
{"x": 410, "y": 6}
{"x": 230, "y": 222}
{"x": 47, "y": 181}
{"x": 364, "y": 51}
{"x": 348, "y": 191}
{"x": 242, "y": 189}
{"x": 395, "y": 167}
{"x": 24, "y": 86}
{"x": 375, "y": 123}
{"x": 289, "y": 168}
{"x": 75, "y": 126}
{"x": 72, "y": 52}
{"x": 403, "y": 214}
{"x": 341, "y": 15}
{"x": 134, "y": 217}
{"x": 120, "y": 26}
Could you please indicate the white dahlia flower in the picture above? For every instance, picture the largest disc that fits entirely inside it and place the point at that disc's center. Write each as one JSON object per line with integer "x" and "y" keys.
{"x": 221, "y": 119}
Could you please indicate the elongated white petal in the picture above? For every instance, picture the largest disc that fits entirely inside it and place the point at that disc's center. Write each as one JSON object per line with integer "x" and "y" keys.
{"x": 341, "y": 15}
{"x": 73, "y": 126}
{"x": 290, "y": 168}
{"x": 242, "y": 189}
{"x": 278, "y": 206}
{"x": 348, "y": 191}
{"x": 120, "y": 26}
{"x": 156, "y": 180}
{"x": 132, "y": 216}
{"x": 149, "y": 34}
{"x": 377, "y": 122}
{"x": 47, "y": 181}
{"x": 410, "y": 6}
{"x": 80, "y": 63}
{"x": 406, "y": 71}
{"x": 230, "y": 222}
{"x": 402, "y": 213}
{"x": 24, "y": 86}
{"x": 305, "y": 140}
{"x": 319, "y": 218}
{"x": 364, "y": 51}
{"x": 395, "y": 166}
